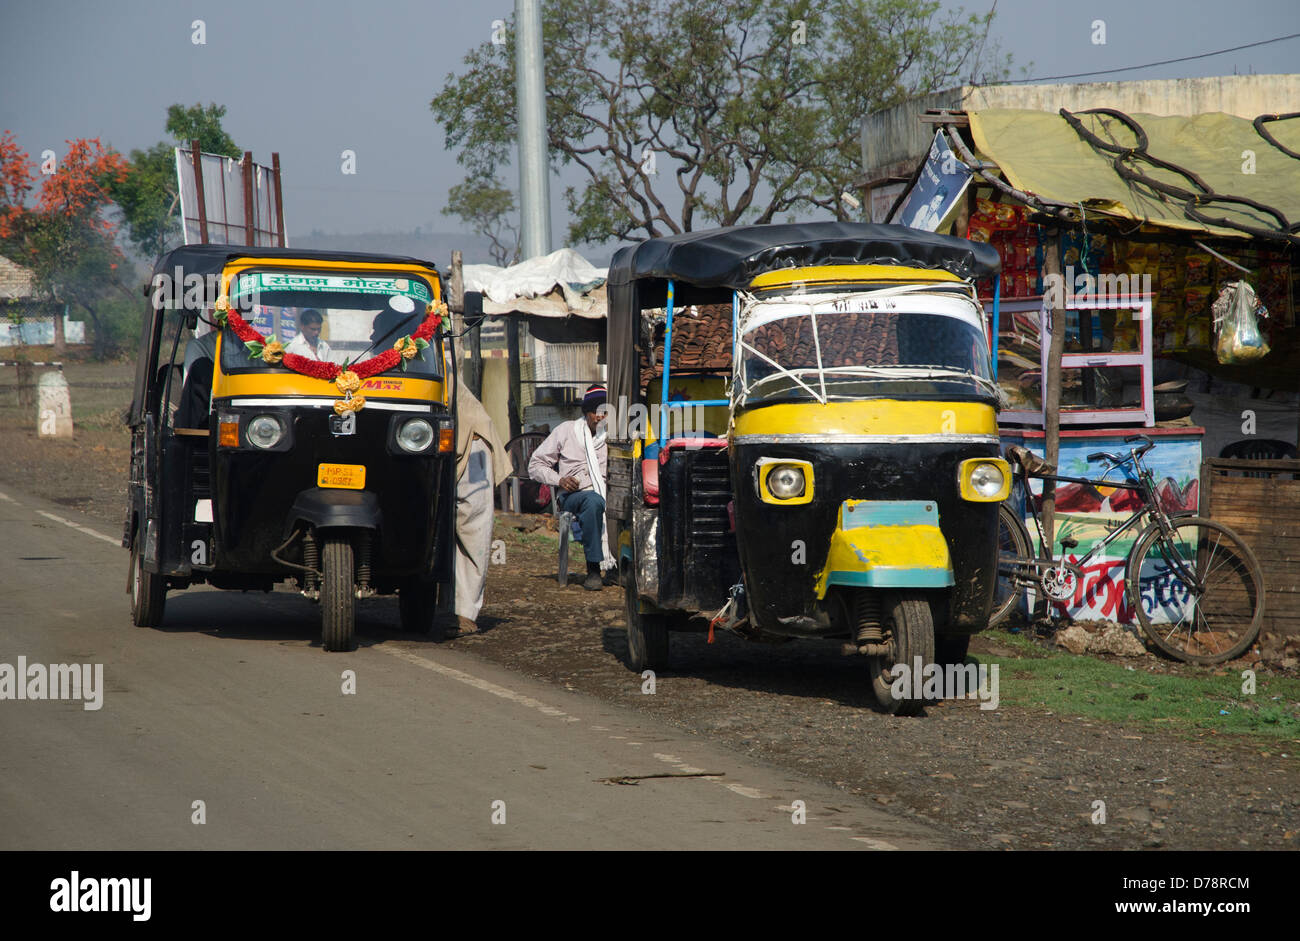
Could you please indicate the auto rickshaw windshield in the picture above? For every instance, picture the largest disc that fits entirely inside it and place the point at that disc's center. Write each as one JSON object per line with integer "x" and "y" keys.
{"x": 340, "y": 323}
{"x": 862, "y": 345}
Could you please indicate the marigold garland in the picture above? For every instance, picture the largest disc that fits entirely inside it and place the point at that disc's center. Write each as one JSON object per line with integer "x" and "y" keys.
{"x": 272, "y": 351}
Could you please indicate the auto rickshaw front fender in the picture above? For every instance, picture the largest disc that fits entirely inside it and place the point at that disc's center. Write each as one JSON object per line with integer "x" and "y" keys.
{"x": 887, "y": 544}
{"x": 326, "y": 508}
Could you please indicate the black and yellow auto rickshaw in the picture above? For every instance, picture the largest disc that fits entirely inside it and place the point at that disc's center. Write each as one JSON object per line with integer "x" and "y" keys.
{"x": 840, "y": 478}
{"x": 292, "y": 421}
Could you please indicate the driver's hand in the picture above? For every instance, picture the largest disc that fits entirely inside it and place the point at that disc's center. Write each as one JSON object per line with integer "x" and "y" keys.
{"x": 569, "y": 483}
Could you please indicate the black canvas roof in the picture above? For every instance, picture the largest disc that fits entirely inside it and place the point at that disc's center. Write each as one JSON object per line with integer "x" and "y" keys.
{"x": 211, "y": 259}
{"x": 732, "y": 257}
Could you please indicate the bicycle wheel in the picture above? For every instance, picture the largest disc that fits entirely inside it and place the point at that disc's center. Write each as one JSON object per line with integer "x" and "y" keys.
{"x": 1210, "y": 625}
{"x": 1013, "y": 545}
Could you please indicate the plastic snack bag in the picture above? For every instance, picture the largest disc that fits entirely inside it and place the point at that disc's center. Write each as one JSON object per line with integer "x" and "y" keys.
{"x": 1236, "y": 320}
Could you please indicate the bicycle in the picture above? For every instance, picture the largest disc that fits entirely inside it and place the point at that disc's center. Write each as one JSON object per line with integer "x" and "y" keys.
{"x": 1194, "y": 584}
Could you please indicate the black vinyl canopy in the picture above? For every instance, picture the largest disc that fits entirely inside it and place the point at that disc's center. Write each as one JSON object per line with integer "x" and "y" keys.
{"x": 211, "y": 259}
{"x": 707, "y": 266}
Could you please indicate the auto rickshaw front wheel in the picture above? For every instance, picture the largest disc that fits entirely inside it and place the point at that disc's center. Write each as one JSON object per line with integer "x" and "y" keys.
{"x": 910, "y": 627}
{"x": 148, "y": 590}
{"x": 337, "y": 594}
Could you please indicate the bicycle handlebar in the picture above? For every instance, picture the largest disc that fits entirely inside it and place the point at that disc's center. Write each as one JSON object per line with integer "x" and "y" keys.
{"x": 1134, "y": 453}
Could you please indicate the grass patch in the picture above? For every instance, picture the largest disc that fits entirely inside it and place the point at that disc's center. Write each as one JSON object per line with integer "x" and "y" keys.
{"x": 538, "y": 539}
{"x": 1099, "y": 689}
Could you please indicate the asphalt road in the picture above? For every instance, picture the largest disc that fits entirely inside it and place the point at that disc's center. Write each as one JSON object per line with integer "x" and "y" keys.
{"x": 233, "y": 703}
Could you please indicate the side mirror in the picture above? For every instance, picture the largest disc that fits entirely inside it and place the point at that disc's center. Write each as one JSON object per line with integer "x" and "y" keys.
{"x": 473, "y": 305}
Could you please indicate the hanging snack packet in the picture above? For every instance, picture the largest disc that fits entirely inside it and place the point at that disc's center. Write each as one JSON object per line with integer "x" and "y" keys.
{"x": 1236, "y": 319}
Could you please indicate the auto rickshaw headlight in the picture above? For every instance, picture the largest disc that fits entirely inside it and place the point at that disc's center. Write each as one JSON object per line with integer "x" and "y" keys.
{"x": 785, "y": 481}
{"x": 264, "y": 431}
{"x": 415, "y": 435}
{"x": 985, "y": 480}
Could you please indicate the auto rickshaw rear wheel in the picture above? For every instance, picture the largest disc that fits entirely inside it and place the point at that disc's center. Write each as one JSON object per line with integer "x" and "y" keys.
{"x": 148, "y": 590}
{"x": 337, "y": 594}
{"x": 910, "y": 628}
{"x": 417, "y": 603}
{"x": 647, "y": 634}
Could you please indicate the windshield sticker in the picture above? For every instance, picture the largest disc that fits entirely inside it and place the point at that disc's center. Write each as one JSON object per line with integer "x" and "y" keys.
{"x": 324, "y": 284}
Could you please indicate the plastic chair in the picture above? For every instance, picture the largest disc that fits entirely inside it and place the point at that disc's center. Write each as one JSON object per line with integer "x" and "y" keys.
{"x": 520, "y": 450}
{"x": 565, "y": 521}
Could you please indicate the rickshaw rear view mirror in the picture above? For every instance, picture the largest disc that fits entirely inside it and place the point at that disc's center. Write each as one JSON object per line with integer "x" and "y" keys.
{"x": 473, "y": 305}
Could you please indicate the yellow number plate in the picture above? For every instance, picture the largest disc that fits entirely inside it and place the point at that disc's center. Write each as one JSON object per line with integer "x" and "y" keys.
{"x": 341, "y": 476}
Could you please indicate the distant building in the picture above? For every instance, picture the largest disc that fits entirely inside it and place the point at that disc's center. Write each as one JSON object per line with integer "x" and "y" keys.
{"x": 24, "y": 318}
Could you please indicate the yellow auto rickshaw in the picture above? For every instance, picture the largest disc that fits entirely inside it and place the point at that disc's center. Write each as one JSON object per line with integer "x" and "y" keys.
{"x": 292, "y": 421}
{"x": 840, "y": 475}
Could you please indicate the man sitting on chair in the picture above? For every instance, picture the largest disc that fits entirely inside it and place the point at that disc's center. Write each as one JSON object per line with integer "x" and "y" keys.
{"x": 573, "y": 460}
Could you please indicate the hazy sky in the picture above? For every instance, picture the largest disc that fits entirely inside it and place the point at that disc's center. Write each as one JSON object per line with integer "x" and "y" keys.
{"x": 311, "y": 80}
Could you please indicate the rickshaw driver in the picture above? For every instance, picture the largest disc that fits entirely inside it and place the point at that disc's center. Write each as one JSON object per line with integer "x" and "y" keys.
{"x": 574, "y": 458}
{"x": 308, "y": 342}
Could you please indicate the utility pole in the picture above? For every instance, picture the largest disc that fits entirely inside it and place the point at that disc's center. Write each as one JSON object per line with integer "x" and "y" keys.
{"x": 530, "y": 103}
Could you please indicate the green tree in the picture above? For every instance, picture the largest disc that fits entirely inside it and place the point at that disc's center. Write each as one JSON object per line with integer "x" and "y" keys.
{"x": 148, "y": 196}
{"x": 684, "y": 115}
{"x": 489, "y": 210}
{"x": 66, "y": 239}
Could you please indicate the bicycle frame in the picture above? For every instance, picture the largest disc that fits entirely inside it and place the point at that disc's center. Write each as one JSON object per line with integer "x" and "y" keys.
{"x": 1150, "y": 508}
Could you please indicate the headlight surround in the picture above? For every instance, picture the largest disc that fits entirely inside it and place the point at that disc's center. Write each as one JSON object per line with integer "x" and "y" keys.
{"x": 264, "y": 431}
{"x": 985, "y": 480}
{"x": 783, "y": 481}
{"x": 415, "y": 435}
{"x": 786, "y": 481}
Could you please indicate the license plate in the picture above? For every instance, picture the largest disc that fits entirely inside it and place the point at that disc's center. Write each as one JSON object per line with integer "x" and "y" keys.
{"x": 341, "y": 476}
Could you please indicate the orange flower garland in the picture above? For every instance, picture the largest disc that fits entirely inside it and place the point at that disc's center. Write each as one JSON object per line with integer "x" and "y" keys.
{"x": 348, "y": 380}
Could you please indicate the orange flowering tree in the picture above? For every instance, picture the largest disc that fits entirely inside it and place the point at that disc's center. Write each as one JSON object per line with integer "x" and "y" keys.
{"x": 65, "y": 236}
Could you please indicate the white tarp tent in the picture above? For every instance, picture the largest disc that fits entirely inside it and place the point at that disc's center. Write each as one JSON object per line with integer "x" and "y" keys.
{"x": 561, "y": 284}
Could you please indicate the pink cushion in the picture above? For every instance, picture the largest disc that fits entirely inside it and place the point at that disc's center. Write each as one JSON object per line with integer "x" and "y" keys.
{"x": 650, "y": 481}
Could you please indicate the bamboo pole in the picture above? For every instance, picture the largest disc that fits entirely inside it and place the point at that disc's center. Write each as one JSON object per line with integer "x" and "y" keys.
{"x": 1052, "y": 387}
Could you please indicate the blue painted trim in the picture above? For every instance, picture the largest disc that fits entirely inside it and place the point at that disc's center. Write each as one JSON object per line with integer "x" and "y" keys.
{"x": 683, "y": 403}
{"x": 997, "y": 298}
{"x": 860, "y": 513}
{"x": 893, "y": 578}
{"x": 668, "y": 343}
{"x": 735, "y": 328}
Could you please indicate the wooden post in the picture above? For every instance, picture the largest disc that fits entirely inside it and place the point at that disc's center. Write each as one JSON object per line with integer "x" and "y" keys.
{"x": 197, "y": 159}
{"x": 279, "y": 200}
{"x": 250, "y": 237}
{"x": 60, "y": 342}
{"x": 1052, "y": 384}
{"x": 513, "y": 366}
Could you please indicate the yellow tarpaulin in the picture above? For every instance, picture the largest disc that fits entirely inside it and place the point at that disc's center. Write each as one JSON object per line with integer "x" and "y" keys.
{"x": 1041, "y": 154}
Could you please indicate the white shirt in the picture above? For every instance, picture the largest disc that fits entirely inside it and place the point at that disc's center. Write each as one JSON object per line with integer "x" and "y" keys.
{"x": 300, "y": 346}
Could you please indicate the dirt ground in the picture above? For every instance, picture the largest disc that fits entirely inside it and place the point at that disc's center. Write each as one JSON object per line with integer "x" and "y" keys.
{"x": 1015, "y": 778}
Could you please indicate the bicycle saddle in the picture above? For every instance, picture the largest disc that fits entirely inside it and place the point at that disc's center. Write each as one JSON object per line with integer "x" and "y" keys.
{"x": 1031, "y": 462}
